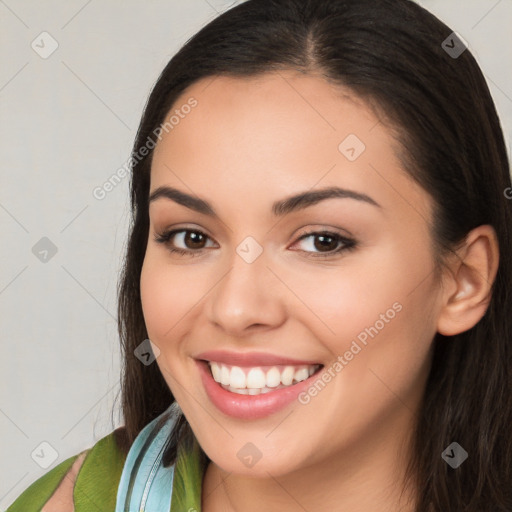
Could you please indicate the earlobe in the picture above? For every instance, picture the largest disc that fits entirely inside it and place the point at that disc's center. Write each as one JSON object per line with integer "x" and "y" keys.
{"x": 471, "y": 274}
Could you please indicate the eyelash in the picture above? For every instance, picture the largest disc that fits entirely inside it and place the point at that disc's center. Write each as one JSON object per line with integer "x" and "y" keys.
{"x": 348, "y": 243}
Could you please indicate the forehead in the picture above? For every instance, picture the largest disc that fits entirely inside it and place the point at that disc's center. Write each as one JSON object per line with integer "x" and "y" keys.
{"x": 275, "y": 133}
{"x": 278, "y": 109}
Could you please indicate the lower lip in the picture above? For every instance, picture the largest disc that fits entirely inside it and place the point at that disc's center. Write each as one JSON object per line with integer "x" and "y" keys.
{"x": 250, "y": 407}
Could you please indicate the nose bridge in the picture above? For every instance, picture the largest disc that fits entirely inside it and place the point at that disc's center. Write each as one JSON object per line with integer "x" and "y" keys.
{"x": 245, "y": 295}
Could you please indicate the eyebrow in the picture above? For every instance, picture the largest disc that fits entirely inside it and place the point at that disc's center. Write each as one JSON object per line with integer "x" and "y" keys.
{"x": 279, "y": 208}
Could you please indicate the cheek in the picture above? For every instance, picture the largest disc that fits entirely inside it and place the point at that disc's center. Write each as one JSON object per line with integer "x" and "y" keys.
{"x": 167, "y": 304}
{"x": 343, "y": 300}
{"x": 165, "y": 298}
{"x": 155, "y": 295}
{"x": 378, "y": 311}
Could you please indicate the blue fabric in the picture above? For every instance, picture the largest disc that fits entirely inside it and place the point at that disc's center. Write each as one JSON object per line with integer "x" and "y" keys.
{"x": 145, "y": 485}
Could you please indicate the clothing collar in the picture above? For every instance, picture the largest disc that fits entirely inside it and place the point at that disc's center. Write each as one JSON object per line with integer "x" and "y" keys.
{"x": 146, "y": 485}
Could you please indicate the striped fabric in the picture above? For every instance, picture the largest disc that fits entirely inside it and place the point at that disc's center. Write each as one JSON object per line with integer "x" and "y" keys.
{"x": 146, "y": 485}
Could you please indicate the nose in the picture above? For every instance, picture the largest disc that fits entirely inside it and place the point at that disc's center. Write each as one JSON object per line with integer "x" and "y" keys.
{"x": 247, "y": 297}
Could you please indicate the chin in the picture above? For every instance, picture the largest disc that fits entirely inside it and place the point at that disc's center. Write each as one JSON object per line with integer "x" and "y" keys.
{"x": 263, "y": 468}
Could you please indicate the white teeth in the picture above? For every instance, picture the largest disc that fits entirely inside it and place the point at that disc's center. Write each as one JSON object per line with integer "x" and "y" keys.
{"x": 287, "y": 375}
{"x": 273, "y": 378}
{"x": 301, "y": 374}
{"x": 251, "y": 391}
{"x": 224, "y": 375}
{"x": 237, "y": 378}
{"x": 240, "y": 391}
{"x": 255, "y": 378}
{"x": 254, "y": 381}
{"x": 216, "y": 372}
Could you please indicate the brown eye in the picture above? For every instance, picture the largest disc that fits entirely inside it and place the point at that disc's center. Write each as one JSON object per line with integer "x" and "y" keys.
{"x": 192, "y": 240}
{"x": 326, "y": 243}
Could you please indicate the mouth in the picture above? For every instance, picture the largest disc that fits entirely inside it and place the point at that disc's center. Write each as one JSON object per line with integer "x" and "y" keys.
{"x": 256, "y": 385}
{"x": 258, "y": 380}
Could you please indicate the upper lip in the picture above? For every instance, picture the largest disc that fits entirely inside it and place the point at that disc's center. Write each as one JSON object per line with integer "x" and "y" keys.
{"x": 250, "y": 358}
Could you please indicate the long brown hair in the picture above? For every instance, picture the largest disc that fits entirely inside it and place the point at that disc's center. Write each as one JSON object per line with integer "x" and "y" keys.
{"x": 390, "y": 53}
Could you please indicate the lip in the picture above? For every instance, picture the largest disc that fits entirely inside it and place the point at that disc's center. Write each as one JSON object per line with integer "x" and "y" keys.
{"x": 250, "y": 358}
{"x": 250, "y": 407}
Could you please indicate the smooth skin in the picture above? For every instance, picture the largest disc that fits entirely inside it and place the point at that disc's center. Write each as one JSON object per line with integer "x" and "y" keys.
{"x": 250, "y": 142}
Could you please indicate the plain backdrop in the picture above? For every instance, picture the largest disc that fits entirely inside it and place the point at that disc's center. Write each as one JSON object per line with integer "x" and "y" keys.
{"x": 67, "y": 123}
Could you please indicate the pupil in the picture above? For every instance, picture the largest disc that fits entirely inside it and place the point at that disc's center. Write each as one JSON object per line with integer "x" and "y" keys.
{"x": 193, "y": 237}
{"x": 323, "y": 245}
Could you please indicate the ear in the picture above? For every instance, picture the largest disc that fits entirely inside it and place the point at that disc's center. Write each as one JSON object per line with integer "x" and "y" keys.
{"x": 468, "y": 281}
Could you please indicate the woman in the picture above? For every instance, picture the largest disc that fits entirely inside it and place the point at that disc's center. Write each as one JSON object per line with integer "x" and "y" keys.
{"x": 320, "y": 256}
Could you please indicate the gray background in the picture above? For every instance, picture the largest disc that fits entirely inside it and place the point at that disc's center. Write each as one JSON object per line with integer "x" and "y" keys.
{"x": 67, "y": 123}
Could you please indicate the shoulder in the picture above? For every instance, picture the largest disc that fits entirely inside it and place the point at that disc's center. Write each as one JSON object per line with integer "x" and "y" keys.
{"x": 80, "y": 482}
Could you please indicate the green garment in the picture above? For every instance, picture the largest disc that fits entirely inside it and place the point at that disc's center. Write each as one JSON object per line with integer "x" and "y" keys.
{"x": 98, "y": 479}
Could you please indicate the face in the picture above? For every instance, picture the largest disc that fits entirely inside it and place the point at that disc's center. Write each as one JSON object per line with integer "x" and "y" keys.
{"x": 316, "y": 315}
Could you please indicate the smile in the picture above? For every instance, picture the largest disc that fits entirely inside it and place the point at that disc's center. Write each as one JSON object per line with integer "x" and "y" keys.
{"x": 259, "y": 379}
{"x": 253, "y": 385}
